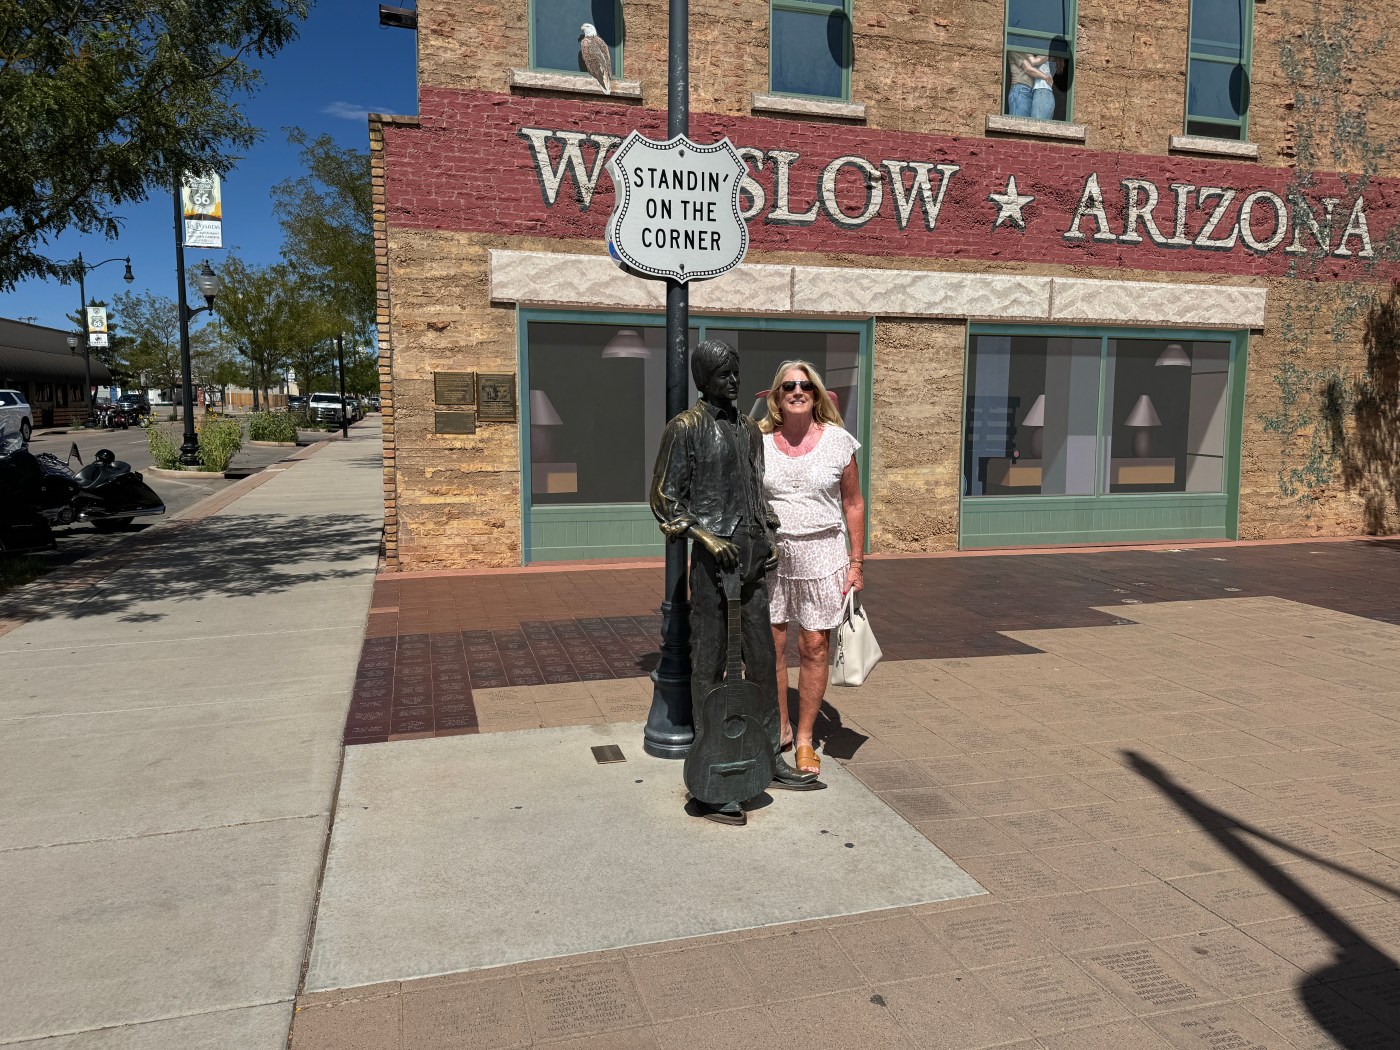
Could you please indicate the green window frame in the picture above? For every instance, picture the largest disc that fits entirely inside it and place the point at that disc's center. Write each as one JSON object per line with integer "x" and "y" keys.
{"x": 1017, "y": 37}
{"x": 1207, "y": 59}
{"x": 614, "y": 35}
{"x": 1104, "y": 517}
{"x": 840, "y": 11}
{"x": 700, "y": 326}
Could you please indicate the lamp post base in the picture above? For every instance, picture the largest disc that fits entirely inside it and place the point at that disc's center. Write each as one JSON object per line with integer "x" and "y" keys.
{"x": 189, "y": 454}
{"x": 670, "y": 728}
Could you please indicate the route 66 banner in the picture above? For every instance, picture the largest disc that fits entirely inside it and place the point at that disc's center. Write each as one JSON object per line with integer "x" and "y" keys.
{"x": 201, "y": 201}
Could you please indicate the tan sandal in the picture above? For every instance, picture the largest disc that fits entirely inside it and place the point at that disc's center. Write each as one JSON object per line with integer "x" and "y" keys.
{"x": 807, "y": 759}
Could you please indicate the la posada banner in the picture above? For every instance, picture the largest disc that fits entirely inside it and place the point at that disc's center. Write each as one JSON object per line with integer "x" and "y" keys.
{"x": 202, "y": 204}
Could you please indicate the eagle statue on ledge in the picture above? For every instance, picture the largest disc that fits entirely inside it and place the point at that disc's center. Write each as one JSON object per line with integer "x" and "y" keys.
{"x": 597, "y": 59}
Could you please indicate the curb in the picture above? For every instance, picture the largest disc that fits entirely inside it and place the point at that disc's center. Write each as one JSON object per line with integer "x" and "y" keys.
{"x": 183, "y": 472}
{"x": 273, "y": 444}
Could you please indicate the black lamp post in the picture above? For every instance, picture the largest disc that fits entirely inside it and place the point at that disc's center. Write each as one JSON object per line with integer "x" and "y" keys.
{"x": 208, "y": 283}
{"x": 84, "y": 269}
{"x": 670, "y": 727}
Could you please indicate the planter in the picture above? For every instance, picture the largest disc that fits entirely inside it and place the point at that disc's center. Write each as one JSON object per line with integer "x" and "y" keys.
{"x": 274, "y": 444}
{"x": 180, "y": 473}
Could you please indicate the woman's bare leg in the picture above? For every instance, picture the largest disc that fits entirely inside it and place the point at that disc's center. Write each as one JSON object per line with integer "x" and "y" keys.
{"x": 780, "y": 647}
{"x": 812, "y": 648}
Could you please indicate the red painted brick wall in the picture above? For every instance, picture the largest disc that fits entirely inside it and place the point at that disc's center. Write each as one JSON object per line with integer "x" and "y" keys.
{"x": 467, "y": 168}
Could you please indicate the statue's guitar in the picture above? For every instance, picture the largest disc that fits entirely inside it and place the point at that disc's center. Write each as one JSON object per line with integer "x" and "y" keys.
{"x": 731, "y": 759}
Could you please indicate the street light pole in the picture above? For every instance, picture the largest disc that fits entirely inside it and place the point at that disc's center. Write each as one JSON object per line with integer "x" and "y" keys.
{"x": 208, "y": 287}
{"x": 340, "y": 358}
{"x": 670, "y": 727}
{"x": 83, "y": 269}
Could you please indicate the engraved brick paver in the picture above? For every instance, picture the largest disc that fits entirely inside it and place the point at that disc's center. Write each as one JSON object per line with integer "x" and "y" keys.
{"x": 1177, "y": 776}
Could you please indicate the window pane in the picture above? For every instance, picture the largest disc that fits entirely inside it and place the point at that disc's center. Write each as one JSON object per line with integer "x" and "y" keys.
{"x": 555, "y": 31}
{"x": 1217, "y": 27}
{"x": 1216, "y": 89}
{"x": 1164, "y": 419}
{"x": 1030, "y": 424}
{"x": 1044, "y": 16}
{"x": 809, "y": 53}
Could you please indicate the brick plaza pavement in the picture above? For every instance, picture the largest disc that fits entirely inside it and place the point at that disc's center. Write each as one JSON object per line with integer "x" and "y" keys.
{"x": 1174, "y": 773}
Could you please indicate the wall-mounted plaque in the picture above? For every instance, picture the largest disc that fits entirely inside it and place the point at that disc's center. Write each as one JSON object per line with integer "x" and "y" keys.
{"x": 496, "y": 397}
{"x": 454, "y": 422}
{"x": 454, "y": 388}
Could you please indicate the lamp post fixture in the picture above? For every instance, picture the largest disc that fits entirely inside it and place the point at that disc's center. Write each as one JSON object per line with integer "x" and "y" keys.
{"x": 209, "y": 285}
{"x": 84, "y": 268}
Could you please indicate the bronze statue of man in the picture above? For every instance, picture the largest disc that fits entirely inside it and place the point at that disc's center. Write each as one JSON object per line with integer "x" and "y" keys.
{"x": 708, "y": 486}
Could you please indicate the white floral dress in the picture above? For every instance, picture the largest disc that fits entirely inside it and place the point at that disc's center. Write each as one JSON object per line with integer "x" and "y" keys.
{"x": 805, "y": 493}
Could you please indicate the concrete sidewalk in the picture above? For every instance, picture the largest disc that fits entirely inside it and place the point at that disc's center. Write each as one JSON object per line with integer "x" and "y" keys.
{"x": 169, "y": 750}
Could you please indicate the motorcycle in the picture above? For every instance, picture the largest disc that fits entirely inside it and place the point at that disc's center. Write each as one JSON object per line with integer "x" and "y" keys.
{"x": 22, "y": 526}
{"x": 107, "y": 493}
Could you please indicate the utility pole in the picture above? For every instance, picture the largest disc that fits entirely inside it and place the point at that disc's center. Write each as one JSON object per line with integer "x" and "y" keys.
{"x": 670, "y": 725}
{"x": 340, "y": 358}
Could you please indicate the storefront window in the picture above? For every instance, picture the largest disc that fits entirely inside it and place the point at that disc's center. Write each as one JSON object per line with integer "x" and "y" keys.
{"x": 594, "y": 400}
{"x": 1092, "y": 415}
{"x": 1164, "y": 416}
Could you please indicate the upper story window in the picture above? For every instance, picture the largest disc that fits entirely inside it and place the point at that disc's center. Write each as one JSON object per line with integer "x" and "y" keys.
{"x": 1039, "y": 61}
{"x": 554, "y": 33}
{"x": 809, "y": 50}
{"x": 1217, "y": 72}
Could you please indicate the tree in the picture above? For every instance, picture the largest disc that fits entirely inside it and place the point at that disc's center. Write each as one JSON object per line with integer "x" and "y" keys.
{"x": 104, "y": 102}
{"x": 361, "y": 371}
{"x": 258, "y": 306}
{"x": 327, "y": 218}
{"x": 153, "y": 327}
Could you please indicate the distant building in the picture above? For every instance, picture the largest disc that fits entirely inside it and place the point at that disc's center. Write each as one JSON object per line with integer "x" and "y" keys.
{"x": 36, "y": 361}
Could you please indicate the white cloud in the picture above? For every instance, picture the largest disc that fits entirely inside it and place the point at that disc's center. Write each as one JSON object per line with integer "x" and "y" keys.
{"x": 349, "y": 111}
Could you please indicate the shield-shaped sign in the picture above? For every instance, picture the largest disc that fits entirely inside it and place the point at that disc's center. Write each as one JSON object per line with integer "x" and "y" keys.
{"x": 677, "y": 213}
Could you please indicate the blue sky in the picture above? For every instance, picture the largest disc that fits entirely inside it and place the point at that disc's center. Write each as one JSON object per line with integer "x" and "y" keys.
{"x": 343, "y": 65}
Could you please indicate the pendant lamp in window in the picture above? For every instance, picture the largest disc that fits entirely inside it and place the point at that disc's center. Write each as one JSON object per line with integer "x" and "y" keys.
{"x": 1174, "y": 355}
{"x": 627, "y": 343}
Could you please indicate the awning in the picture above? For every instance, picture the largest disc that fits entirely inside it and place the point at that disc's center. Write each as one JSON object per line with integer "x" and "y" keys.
{"x": 37, "y": 366}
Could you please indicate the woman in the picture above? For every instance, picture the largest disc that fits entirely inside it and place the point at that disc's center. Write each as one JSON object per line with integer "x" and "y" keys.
{"x": 813, "y": 485}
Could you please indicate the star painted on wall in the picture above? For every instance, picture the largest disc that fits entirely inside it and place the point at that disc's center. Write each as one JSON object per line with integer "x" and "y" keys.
{"x": 1009, "y": 204}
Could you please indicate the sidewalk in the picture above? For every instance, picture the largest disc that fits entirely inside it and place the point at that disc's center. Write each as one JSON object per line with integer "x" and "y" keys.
{"x": 1155, "y": 796}
{"x": 169, "y": 756}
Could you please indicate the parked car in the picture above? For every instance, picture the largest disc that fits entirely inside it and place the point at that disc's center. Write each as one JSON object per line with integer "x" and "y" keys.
{"x": 372, "y": 402}
{"x": 325, "y": 408}
{"x": 134, "y": 404}
{"x": 296, "y": 402}
{"x": 15, "y": 413}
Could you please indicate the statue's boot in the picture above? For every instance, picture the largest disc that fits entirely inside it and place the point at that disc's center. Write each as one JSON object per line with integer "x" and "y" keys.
{"x": 725, "y": 813}
{"x": 786, "y": 778}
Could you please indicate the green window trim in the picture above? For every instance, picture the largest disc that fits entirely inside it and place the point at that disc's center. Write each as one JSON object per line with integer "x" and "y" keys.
{"x": 1071, "y": 35}
{"x": 1107, "y": 503}
{"x": 864, "y": 330}
{"x": 1239, "y": 128}
{"x": 614, "y": 49}
{"x": 814, "y": 7}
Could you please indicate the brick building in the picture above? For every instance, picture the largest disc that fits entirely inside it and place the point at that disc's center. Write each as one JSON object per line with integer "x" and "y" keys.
{"x": 1113, "y": 272}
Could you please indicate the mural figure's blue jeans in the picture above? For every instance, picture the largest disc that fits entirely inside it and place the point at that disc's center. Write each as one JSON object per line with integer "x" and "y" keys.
{"x": 1043, "y": 104}
{"x": 1018, "y": 101}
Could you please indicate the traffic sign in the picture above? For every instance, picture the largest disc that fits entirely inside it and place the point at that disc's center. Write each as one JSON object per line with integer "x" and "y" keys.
{"x": 677, "y": 214}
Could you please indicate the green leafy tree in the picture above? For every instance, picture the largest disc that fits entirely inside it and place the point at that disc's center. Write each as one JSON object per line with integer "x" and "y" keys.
{"x": 153, "y": 327}
{"x": 361, "y": 371}
{"x": 327, "y": 218}
{"x": 105, "y": 102}
{"x": 255, "y": 307}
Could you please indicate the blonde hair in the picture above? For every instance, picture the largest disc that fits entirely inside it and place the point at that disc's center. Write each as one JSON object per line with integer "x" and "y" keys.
{"x": 823, "y": 409}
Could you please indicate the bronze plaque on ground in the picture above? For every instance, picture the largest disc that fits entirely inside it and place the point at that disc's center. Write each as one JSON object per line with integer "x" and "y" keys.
{"x": 454, "y": 423}
{"x": 496, "y": 397}
{"x": 454, "y": 388}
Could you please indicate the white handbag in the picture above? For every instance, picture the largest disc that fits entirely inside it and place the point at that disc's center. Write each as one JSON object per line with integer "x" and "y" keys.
{"x": 854, "y": 651}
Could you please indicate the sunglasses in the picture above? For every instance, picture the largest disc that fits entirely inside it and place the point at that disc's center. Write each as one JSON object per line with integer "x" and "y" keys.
{"x": 792, "y": 384}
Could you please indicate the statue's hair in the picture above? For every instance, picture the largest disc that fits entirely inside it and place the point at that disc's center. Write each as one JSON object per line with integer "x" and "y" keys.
{"x": 824, "y": 410}
{"x": 708, "y": 358}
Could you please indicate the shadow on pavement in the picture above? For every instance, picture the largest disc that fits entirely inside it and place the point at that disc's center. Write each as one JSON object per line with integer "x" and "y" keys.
{"x": 1353, "y": 1018}
{"x": 228, "y": 555}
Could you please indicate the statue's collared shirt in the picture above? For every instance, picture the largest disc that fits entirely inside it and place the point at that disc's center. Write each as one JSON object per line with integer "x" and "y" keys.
{"x": 709, "y": 472}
